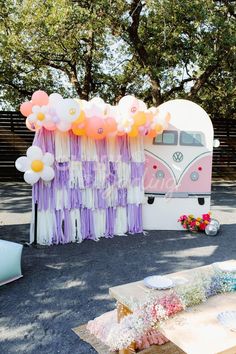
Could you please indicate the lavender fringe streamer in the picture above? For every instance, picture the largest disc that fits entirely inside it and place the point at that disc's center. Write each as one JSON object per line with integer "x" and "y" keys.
{"x": 45, "y": 193}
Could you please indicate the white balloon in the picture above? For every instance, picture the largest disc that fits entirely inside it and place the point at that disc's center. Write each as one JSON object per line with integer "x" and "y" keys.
{"x": 64, "y": 126}
{"x": 22, "y": 164}
{"x": 68, "y": 109}
{"x": 142, "y": 106}
{"x": 54, "y": 98}
{"x": 31, "y": 177}
{"x": 47, "y": 174}
{"x": 34, "y": 153}
{"x": 97, "y": 101}
{"x": 93, "y": 110}
{"x": 216, "y": 143}
{"x": 32, "y": 118}
{"x": 128, "y": 105}
{"x": 48, "y": 158}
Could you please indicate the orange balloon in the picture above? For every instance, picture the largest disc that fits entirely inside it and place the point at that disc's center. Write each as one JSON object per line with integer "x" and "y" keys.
{"x": 134, "y": 132}
{"x": 78, "y": 128}
{"x": 81, "y": 118}
{"x": 96, "y": 128}
{"x": 111, "y": 125}
{"x": 140, "y": 118}
{"x": 26, "y": 108}
{"x": 152, "y": 133}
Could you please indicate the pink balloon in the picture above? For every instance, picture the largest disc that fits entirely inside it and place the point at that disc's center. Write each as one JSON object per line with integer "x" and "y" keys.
{"x": 50, "y": 126}
{"x": 26, "y": 108}
{"x": 40, "y": 98}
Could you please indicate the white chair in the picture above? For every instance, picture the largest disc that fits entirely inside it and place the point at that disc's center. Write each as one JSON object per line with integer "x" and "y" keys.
{"x": 10, "y": 261}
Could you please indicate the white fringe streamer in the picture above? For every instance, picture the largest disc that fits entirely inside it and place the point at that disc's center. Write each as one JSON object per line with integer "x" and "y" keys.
{"x": 62, "y": 146}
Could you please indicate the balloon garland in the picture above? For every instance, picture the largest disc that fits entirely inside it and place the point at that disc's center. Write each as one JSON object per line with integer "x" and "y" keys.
{"x": 95, "y": 118}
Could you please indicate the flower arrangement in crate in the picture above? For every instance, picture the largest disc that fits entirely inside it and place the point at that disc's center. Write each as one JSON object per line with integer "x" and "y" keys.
{"x": 189, "y": 222}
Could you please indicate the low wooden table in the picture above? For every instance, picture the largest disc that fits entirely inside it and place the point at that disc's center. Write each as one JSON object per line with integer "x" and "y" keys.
{"x": 194, "y": 331}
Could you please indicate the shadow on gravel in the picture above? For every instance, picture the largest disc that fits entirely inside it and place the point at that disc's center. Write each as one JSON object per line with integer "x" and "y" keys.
{"x": 67, "y": 285}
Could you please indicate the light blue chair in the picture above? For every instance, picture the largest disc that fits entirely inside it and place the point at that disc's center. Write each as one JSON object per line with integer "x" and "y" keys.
{"x": 10, "y": 261}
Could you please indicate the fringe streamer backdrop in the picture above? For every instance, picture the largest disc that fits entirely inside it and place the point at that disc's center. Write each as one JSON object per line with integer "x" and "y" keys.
{"x": 97, "y": 190}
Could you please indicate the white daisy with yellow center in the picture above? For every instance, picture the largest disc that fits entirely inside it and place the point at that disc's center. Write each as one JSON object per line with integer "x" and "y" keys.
{"x": 39, "y": 115}
{"x": 36, "y": 165}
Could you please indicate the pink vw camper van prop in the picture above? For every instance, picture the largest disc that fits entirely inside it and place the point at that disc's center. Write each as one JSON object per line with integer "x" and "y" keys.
{"x": 178, "y": 167}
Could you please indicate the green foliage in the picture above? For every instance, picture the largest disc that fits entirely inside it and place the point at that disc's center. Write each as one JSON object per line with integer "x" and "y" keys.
{"x": 156, "y": 49}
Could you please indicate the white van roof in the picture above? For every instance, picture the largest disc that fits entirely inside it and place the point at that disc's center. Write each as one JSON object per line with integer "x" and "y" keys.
{"x": 188, "y": 116}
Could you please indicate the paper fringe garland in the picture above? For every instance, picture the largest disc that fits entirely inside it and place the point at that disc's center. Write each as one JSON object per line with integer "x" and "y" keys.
{"x": 97, "y": 190}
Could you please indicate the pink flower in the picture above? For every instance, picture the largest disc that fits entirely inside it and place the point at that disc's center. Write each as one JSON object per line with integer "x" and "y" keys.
{"x": 206, "y": 217}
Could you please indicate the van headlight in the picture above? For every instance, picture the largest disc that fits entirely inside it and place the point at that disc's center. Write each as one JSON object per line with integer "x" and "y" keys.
{"x": 160, "y": 174}
{"x": 194, "y": 176}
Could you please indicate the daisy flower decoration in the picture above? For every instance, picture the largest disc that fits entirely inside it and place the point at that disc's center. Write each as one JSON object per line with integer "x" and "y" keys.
{"x": 39, "y": 116}
{"x": 36, "y": 165}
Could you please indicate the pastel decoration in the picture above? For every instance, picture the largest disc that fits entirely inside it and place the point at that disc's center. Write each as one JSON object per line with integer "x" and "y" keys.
{"x": 140, "y": 118}
{"x": 26, "y": 108}
{"x": 133, "y": 132}
{"x": 78, "y": 128}
{"x": 130, "y": 116}
{"x": 39, "y": 116}
{"x": 111, "y": 125}
{"x": 54, "y": 98}
{"x": 128, "y": 105}
{"x": 96, "y": 128}
{"x": 36, "y": 165}
{"x": 68, "y": 109}
{"x": 30, "y": 125}
{"x": 152, "y": 133}
{"x": 40, "y": 98}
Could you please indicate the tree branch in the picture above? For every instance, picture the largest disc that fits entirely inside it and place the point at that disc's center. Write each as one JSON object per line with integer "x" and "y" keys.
{"x": 143, "y": 57}
{"x": 200, "y": 82}
{"x": 180, "y": 87}
{"x": 88, "y": 67}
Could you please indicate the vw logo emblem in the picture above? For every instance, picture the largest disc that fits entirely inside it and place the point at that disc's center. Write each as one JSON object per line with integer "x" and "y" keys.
{"x": 178, "y": 156}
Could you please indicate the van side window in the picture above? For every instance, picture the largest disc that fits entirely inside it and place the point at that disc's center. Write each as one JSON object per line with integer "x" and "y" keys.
{"x": 191, "y": 138}
{"x": 168, "y": 137}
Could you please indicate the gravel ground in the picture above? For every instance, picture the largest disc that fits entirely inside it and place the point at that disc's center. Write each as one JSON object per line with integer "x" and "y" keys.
{"x": 65, "y": 286}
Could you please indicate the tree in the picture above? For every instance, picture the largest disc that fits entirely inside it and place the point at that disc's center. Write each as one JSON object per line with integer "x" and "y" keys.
{"x": 155, "y": 49}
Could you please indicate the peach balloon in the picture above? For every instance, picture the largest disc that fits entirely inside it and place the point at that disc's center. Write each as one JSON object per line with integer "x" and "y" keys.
{"x": 26, "y": 108}
{"x": 96, "y": 128}
{"x": 40, "y": 98}
{"x": 111, "y": 125}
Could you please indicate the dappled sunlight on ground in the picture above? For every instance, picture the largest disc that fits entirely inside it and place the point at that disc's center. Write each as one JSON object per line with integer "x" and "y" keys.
{"x": 65, "y": 286}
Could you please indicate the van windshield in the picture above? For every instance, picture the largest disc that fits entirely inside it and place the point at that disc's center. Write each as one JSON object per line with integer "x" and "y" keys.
{"x": 168, "y": 137}
{"x": 191, "y": 138}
